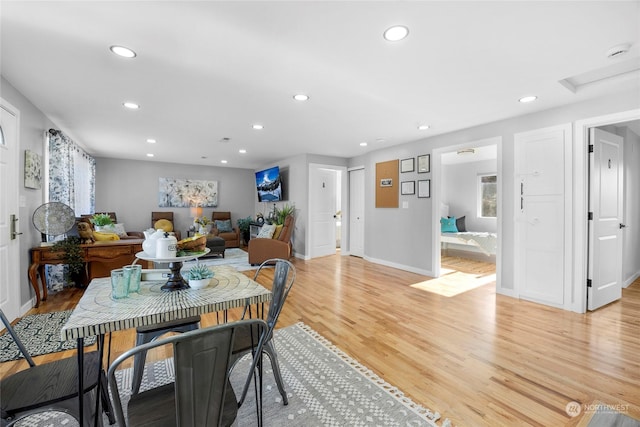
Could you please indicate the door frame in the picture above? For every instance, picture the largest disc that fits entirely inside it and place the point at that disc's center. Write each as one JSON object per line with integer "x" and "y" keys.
{"x": 346, "y": 214}
{"x": 13, "y": 255}
{"x": 436, "y": 163}
{"x": 581, "y": 198}
{"x": 344, "y": 200}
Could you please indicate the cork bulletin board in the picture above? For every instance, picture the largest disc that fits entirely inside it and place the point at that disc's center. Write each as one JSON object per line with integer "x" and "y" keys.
{"x": 387, "y": 184}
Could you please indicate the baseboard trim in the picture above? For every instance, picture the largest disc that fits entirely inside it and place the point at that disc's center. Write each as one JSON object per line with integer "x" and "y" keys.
{"x": 400, "y": 266}
{"x": 631, "y": 279}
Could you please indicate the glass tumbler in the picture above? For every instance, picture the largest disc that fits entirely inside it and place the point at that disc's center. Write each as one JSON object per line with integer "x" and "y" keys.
{"x": 134, "y": 273}
{"x": 119, "y": 284}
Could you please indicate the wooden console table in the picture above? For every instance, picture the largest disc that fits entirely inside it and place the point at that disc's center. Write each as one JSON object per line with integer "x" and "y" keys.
{"x": 100, "y": 258}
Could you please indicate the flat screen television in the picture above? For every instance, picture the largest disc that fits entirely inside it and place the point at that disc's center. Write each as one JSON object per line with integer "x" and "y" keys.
{"x": 269, "y": 185}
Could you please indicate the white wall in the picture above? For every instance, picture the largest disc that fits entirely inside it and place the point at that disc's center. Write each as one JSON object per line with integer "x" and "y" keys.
{"x": 297, "y": 191}
{"x": 403, "y": 236}
{"x": 130, "y": 189}
{"x": 460, "y": 192}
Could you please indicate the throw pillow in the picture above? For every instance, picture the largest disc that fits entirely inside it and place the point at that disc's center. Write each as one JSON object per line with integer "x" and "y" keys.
{"x": 460, "y": 224}
{"x": 163, "y": 224}
{"x": 448, "y": 225}
{"x": 224, "y": 226}
{"x": 266, "y": 232}
{"x": 119, "y": 230}
{"x": 276, "y": 234}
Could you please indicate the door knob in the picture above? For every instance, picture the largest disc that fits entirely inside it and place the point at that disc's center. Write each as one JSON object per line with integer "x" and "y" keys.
{"x": 622, "y": 225}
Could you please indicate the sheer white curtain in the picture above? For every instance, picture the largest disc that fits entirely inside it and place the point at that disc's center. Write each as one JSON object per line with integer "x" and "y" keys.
{"x": 70, "y": 180}
{"x": 71, "y": 174}
{"x": 84, "y": 179}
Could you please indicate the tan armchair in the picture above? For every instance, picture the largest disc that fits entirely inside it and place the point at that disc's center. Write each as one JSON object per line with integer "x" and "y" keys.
{"x": 231, "y": 238}
{"x": 261, "y": 249}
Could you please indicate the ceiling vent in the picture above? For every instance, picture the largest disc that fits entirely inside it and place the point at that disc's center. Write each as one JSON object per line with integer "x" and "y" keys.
{"x": 618, "y": 50}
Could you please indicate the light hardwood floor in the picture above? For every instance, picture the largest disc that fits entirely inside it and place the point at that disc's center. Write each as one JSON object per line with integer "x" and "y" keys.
{"x": 478, "y": 358}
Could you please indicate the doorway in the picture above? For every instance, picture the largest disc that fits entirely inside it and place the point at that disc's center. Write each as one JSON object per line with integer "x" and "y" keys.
{"x": 486, "y": 158}
{"x": 9, "y": 245}
{"x": 614, "y": 202}
{"x": 326, "y": 229}
{"x": 631, "y": 237}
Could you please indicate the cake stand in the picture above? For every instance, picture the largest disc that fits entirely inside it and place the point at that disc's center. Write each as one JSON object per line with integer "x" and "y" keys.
{"x": 176, "y": 281}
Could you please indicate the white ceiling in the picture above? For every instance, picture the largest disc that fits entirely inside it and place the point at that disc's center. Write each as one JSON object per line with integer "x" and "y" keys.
{"x": 208, "y": 70}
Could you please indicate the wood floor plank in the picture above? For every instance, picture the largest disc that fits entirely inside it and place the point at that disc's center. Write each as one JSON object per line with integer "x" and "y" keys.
{"x": 478, "y": 358}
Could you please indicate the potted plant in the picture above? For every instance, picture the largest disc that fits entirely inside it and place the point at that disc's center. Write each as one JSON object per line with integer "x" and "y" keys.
{"x": 75, "y": 272}
{"x": 199, "y": 276}
{"x": 283, "y": 212}
{"x": 101, "y": 221}
{"x": 203, "y": 224}
{"x": 244, "y": 224}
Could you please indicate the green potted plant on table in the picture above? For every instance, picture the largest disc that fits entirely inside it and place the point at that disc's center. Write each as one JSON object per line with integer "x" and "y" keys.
{"x": 101, "y": 221}
{"x": 199, "y": 276}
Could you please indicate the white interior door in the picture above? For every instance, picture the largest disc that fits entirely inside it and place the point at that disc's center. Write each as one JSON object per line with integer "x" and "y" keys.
{"x": 604, "y": 275}
{"x": 9, "y": 246}
{"x": 323, "y": 194}
{"x": 541, "y": 216}
{"x": 356, "y": 212}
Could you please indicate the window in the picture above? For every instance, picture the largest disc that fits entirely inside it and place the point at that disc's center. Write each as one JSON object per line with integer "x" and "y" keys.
{"x": 487, "y": 196}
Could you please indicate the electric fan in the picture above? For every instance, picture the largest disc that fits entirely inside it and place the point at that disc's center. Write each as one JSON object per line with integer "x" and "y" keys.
{"x": 53, "y": 219}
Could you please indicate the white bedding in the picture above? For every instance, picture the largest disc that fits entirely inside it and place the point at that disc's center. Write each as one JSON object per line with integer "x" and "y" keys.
{"x": 485, "y": 242}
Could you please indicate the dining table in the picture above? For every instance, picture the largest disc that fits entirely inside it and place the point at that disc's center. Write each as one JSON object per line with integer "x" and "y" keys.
{"x": 98, "y": 313}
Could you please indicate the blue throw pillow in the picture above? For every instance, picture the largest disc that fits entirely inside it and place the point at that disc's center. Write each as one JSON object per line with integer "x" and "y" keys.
{"x": 448, "y": 225}
{"x": 224, "y": 226}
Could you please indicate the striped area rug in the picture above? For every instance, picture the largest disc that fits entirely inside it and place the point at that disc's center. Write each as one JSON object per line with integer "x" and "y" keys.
{"x": 325, "y": 387}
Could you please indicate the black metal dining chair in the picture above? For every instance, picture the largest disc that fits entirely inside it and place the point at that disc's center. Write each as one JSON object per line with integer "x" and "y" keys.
{"x": 201, "y": 394}
{"x": 284, "y": 276}
{"x": 51, "y": 386}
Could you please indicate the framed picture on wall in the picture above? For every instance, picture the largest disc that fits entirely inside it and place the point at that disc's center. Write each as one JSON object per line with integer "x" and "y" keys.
{"x": 424, "y": 189}
{"x": 408, "y": 187}
{"x": 424, "y": 165}
{"x": 407, "y": 165}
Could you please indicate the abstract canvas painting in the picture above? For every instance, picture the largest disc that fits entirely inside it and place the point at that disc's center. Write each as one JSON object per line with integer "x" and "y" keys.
{"x": 32, "y": 170}
{"x": 184, "y": 193}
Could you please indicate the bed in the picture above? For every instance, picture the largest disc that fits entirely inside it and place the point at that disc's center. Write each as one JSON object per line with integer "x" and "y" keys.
{"x": 484, "y": 242}
{"x": 454, "y": 235}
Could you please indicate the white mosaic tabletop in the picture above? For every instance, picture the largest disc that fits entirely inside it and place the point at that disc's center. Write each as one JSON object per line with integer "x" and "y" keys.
{"x": 98, "y": 313}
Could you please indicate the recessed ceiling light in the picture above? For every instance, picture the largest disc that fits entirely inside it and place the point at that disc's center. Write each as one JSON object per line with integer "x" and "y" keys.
{"x": 396, "y": 33}
{"x": 131, "y": 105}
{"x": 151, "y": 141}
{"x": 526, "y": 99}
{"x": 242, "y": 151}
{"x": 363, "y": 144}
{"x": 423, "y": 127}
{"x": 301, "y": 97}
{"x": 258, "y": 127}
{"x": 149, "y": 155}
{"x": 223, "y": 161}
{"x": 125, "y": 52}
